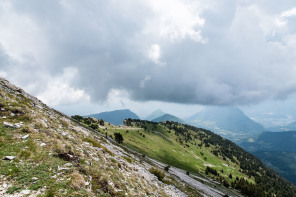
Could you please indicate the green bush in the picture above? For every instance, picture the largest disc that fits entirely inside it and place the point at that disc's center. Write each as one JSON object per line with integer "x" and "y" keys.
{"x": 158, "y": 173}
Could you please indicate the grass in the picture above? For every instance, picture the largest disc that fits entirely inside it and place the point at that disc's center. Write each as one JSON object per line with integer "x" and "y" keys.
{"x": 162, "y": 145}
{"x": 158, "y": 173}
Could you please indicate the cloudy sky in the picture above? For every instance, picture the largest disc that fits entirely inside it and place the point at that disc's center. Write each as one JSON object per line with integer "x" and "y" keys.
{"x": 89, "y": 56}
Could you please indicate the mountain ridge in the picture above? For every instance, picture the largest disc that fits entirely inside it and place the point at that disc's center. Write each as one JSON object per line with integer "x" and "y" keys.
{"x": 115, "y": 117}
{"x": 155, "y": 114}
{"x": 168, "y": 117}
{"x": 230, "y": 122}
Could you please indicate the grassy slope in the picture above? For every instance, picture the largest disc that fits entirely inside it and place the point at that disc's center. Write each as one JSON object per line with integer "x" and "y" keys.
{"x": 163, "y": 146}
{"x": 160, "y": 142}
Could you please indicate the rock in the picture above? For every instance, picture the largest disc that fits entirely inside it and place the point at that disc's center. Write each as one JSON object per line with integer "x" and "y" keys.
{"x": 12, "y": 114}
{"x": 61, "y": 168}
{"x": 18, "y": 125}
{"x": 25, "y": 136}
{"x": 26, "y": 191}
{"x": 68, "y": 165}
{"x": 7, "y": 124}
{"x": 35, "y": 178}
{"x": 4, "y": 117}
{"x": 42, "y": 144}
{"x": 10, "y": 158}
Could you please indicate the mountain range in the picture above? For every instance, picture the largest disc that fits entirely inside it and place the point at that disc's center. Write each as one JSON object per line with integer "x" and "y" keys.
{"x": 230, "y": 122}
{"x": 156, "y": 114}
{"x": 115, "y": 117}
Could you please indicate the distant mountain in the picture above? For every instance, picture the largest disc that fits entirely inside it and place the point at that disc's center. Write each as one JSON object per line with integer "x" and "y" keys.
{"x": 155, "y": 114}
{"x": 277, "y": 150}
{"x": 115, "y": 117}
{"x": 272, "y": 141}
{"x": 168, "y": 117}
{"x": 271, "y": 119}
{"x": 289, "y": 127}
{"x": 230, "y": 122}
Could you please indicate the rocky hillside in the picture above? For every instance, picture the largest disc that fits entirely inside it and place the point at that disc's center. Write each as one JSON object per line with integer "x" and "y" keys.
{"x": 45, "y": 153}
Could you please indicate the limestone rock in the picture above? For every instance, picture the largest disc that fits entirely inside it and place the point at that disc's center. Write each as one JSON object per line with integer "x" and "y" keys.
{"x": 7, "y": 124}
{"x": 9, "y": 158}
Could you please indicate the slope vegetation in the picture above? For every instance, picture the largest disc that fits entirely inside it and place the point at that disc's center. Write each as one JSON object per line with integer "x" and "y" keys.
{"x": 277, "y": 150}
{"x": 204, "y": 153}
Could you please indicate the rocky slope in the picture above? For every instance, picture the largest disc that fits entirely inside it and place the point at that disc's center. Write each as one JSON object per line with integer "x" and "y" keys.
{"x": 45, "y": 153}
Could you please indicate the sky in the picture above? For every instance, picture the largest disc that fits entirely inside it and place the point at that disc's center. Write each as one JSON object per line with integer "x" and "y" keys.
{"x": 84, "y": 57}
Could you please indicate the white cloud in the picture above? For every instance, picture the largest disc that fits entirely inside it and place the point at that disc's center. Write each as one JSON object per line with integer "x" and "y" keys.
{"x": 176, "y": 20}
{"x": 282, "y": 20}
{"x": 289, "y": 13}
{"x": 59, "y": 90}
{"x": 226, "y": 52}
{"x": 154, "y": 54}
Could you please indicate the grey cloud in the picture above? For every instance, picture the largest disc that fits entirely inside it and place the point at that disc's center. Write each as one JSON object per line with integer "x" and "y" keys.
{"x": 106, "y": 43}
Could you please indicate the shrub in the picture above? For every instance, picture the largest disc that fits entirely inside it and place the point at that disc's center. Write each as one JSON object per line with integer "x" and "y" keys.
{"x": 118, "y": 137}
{"x": 25, "y": 154}
{"x": 28, "y": 129}
{"x": 93, "y": 142}
{"x": 167, "y": 168}
{"x": 77, "y": 181}
{"x": 27, "y": 117}
{"x": 158, "y": 173}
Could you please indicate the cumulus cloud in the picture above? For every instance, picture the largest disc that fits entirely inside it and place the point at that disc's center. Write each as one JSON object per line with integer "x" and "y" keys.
{"x": 59, "y": 90}
{"x": 226, "y": 52}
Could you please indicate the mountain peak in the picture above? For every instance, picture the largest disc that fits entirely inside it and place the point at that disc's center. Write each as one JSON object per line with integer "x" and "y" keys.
{"x": 155, "y": 114}
{"x": 168, "y": 117}
{"x": 115, "y": 117}
{"x": 228, "y": 121}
